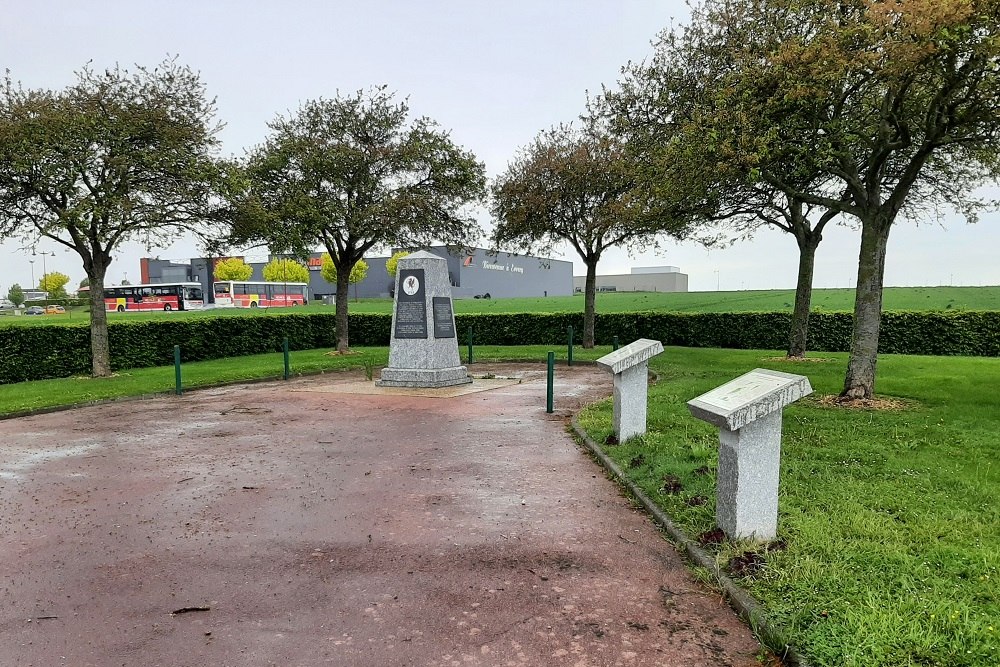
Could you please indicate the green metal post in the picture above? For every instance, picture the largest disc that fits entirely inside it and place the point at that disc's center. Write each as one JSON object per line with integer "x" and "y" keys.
{"x": 284, "y": 350}
{"x": 614, "y": 343}
{"x": 470, "y": 344}
{"x": 569, "y": 346}
{"x": 177, "y": 370}
{"x": 551, "y": 377}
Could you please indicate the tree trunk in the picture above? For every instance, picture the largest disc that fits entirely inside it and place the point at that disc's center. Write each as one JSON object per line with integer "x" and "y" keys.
{"x": 343, "y": 294}
{"x": 798, "y": 339}
{"x": 589, "y": 303}
{"x": 100, "y": 350}
{"x": 860, "y": 380}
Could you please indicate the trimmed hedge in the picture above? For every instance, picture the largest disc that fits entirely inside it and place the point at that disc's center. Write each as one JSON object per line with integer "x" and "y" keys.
{"x": 935, "y": 333}
{"x": 49, "y": 351}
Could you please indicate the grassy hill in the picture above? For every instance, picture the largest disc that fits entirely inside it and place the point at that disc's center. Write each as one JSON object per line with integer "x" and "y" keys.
{"x": 895, "y": 298}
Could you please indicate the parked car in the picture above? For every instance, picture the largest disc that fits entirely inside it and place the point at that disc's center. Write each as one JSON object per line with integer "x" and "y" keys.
{"x": 54, "y": 309}
{"x": 34, "y": 310}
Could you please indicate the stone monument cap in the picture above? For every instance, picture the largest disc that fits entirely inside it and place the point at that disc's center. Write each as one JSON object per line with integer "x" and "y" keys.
{"x": 422, "y": 254}
{"x": 630, "y": 355}
{"x": 749, "y": 397}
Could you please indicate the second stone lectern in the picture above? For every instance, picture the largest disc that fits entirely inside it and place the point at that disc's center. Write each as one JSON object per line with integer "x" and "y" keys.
{"x": 423, "y": 347}
{"x": 630, "y": 368}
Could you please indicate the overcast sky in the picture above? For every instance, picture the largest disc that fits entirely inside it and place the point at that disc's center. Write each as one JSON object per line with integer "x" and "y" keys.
{"x": 493, "y": 73}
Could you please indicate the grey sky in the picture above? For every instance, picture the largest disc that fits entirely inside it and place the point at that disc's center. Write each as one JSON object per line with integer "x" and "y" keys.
{"x": 494, "y": 73}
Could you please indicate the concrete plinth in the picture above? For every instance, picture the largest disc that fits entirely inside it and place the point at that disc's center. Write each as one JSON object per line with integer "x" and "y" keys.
{"x": 630, "y": 398}
{"x": 424, "y": 377}
{"x": 747, "y": 493}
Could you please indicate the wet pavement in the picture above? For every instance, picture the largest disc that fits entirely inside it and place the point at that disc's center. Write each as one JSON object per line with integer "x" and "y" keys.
{"x": 295, "y": 524}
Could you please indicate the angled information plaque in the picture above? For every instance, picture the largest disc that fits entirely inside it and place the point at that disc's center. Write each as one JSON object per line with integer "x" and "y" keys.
{"x": 749, "y": 397}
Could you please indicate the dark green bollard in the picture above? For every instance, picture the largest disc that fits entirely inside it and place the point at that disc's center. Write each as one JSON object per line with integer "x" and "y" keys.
{"x": 177, "y": 370}
{"x": 614, "y": 343}
{"x": 284, "y": 350}
{"x": 550, "y": 380}
{"x": 470, "y": 345}
{"x": 569, "y": 346}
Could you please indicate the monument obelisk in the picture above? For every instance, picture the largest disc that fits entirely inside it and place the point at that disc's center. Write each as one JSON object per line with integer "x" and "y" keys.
{"x": 423, "y": 348}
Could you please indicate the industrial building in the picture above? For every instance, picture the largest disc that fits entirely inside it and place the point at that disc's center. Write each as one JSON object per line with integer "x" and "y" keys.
{"x": 473, "y": 272}
{"x": 640, "y": 279}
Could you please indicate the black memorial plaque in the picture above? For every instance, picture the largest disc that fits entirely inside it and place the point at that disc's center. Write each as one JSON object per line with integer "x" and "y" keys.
{"x": 444, "y": 323}
{"x": 411, "y": 309}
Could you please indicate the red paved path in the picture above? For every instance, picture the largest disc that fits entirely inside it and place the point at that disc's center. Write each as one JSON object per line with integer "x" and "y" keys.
{"x": 324, "y": 528}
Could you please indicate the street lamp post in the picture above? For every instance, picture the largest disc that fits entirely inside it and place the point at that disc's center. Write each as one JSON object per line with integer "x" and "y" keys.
{"x": 45, "y": 269}
{"x": 32, "y": 262}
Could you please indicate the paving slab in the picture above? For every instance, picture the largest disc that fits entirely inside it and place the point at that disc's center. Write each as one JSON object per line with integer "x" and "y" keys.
{"x": 289, "y": 524}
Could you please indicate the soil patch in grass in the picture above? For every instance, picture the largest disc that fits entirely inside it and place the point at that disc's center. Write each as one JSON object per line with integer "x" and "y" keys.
{"x": 796, "y": 360}
{"x": 877, "y": 403}
{"x": 671, "y": 484}
{"x": 746, "y": 564}
{"x": 714, "y": 536}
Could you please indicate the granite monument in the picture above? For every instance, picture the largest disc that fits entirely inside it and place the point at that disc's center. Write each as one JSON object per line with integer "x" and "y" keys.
{"x": 423, "y": 347}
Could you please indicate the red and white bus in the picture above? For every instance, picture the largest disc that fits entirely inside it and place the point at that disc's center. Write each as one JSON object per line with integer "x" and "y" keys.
{"x": 156, "y": 296}
{"x": 243, "y": 294}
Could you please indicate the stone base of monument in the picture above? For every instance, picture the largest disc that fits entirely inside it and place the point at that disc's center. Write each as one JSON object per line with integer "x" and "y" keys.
{"x": 423, "y": 377}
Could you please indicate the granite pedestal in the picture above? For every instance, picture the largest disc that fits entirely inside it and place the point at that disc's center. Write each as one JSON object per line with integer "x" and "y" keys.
{"x": 629, "y": 366}
{"x": 748, "y": 412}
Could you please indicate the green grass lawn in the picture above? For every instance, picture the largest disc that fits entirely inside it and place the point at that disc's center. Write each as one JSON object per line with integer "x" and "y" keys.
{"x": 890, "y": 518}
{"x": 42, "y": 394}
{"x": 895, "y": 298}
{"x": 81, "y": 317}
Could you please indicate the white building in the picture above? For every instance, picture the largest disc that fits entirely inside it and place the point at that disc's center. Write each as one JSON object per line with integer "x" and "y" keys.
{"x": 640, "y": 279}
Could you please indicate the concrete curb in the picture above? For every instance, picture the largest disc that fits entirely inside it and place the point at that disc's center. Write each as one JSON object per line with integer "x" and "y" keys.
{"x": 748, "y": 608}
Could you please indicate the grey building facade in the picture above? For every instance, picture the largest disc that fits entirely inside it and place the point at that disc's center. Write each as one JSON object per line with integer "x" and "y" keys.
{"x": 472, "y": 272}
{"x": 476, "y": 271}
{"x": 197, "y": 270}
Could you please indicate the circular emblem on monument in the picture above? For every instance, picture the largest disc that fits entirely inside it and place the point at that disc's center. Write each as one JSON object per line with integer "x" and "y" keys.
{"x": 411, "y": 285}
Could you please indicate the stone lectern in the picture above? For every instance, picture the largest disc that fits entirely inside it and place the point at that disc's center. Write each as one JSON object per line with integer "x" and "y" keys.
{"x": 628, "y": 366}
{"x": 423, "y": 348}
{"x": 747, "y": 411}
